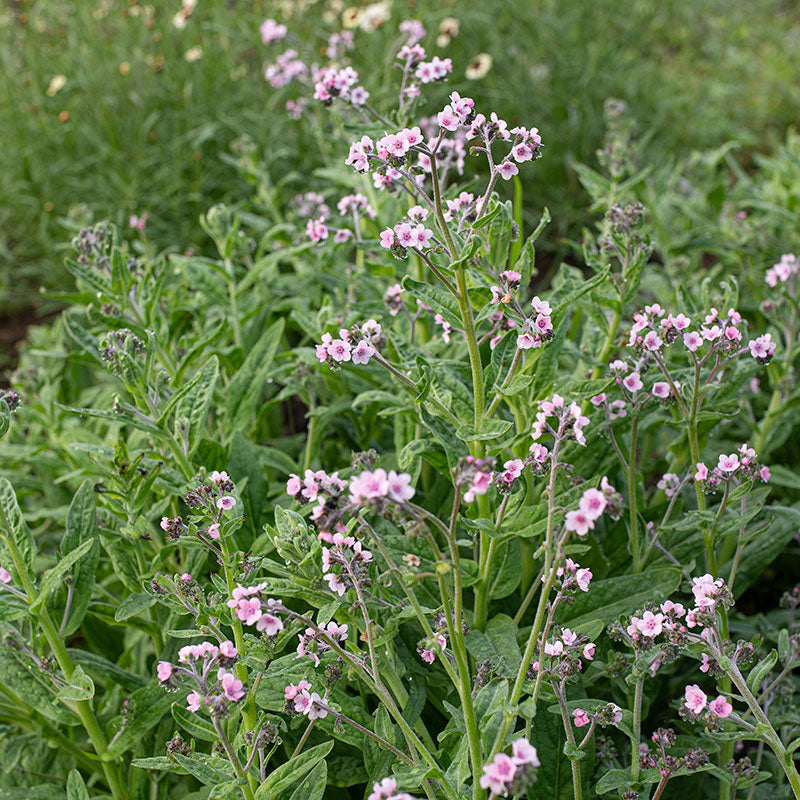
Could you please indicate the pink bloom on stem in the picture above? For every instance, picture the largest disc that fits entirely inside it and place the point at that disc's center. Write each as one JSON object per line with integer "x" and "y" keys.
{"x": 271, "y": 31}
{"x": 695, "y": 698}
{"x": 400, "y": 488}
{"x": 232, "y": 687}
{"x": 580, "y": 717}
{"x": 523, "y": 752}
{"x": 193, "y": 701}
{"x": 362, "y": 352}
{"x": 5, "y": 575}
{"x": 661, "y": 390}
{"x": 227, "y": 649}
{"x": 164, "y": 671}
{"x": 632, "y": 382}
{"x": 579, "y": 522}
{"x": 692, "y": 340}
{"x": 593, "y": 503}
{"x": 226, "y": 503}
{"x": 728, "y": 463}
{"x": 498, "y": 773}
{"x": 387, "y": 238}
{"x": 720, "y": 707}
{"x": 589, "y": 651}
{"x": 507, "y": 170}
{"x": 213, "y": 530}
{"x": 702, "y": 471}
{"x": 650, "y": 624}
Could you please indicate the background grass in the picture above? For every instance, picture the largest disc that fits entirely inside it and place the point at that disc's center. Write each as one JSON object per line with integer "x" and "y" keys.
{"x": 146, "y": 128}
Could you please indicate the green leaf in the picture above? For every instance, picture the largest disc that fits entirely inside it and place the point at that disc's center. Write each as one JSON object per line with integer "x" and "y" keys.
{"x": 147, "y": 706}
{"x": 761, "y": 670}
{"x": 81, "y": 527}
{"x": 313, "y": 786}
{"x": 292, "y": 771}
{"x": 202, "y": 770}
{"x": 190, "y": 415}
{"x": 440, "y": 300}
{"x": 193, "y": 724}
{"x": 133, "y": 604}
{"x": 31, "y": 689}
{"x": 52, "y": 578}
{"x": 76, "y": 788}
{"x": 244, "y": 391}
{"x": 80, "y": 686}
{"x": 14, "y": 527}
{"x": 487, "y": 430}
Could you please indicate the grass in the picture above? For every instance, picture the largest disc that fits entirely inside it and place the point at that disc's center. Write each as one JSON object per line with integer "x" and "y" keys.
{"x": 146, "y": 127}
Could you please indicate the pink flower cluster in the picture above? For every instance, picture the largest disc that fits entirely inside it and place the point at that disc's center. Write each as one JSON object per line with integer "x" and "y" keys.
{"x": 342, "y": 562}
{"x": 696, "y": 700}
{"x": 303, "y": 701}
{"x": 251, "y": 609}
{"x": 200, "y": 661}
{"x": 271, "y": 31}
{"x": 610, "y": 714}
{"x": 574, "y": 576}
{"x": 427, "y": 652}
{"x": 570, "y": 421}
{"x": 313, "y": 643}
{"x": 333, "y": 501}
{"x": 783, "y": 271}
{"x": 721, "y": 332}
{"x": 500, "y": 774}
{"x": 476, "y": 475}
{"x": 331, "y": 83}
{"x": 318, "y": 229}
{"x": 538, "y": 329}
{"x": 590, "y": 508}
{"x": 387, "y": 790}
{"x": 288, "y": 66}
{"x": 356, "y": 345}
{"x": 742, "y": 464}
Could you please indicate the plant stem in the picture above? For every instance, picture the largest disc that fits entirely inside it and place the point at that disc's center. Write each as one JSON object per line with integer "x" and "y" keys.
{"x": 577, "y": 783}
{"x": 634, "y": 520}
{"x": 246, "y": 788}
{"x": 637, "y": 729}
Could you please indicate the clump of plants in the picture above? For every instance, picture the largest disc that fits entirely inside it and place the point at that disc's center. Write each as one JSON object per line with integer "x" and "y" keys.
{"x": 361, "y": 511}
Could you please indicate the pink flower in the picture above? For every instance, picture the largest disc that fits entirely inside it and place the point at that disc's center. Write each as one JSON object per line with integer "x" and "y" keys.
{"x": 702, "y": 471}
{"x": 428, "y": 656}
{"x": 695, "y": 698}
{"x": 652, "y": 341}
{"x": 448, "y": 119}
{"x": 507, "y": 170}
{"x": 268, "y": 623}
{"x": 706, "y": 665}
{"x": 632, "y": 382}
{"x": 579, "y": 522}
{"x": 387, "y": 238}
{"x": 271, "y": 31}
{"x": 232, "y": 687}
{"x": 692, "y": 340}
{"x": 650, "y": 624}
{"x": 498, "y": 773}
{"x": 5, "y": 575}
{"x": 400, "y": 488}
{"x": 728, "y": 463}
{"x": 523, "y": 752}
{"x": 583, "y": 576}
{"x": 589, "y": 650}
{"x": 362, "y": 352}
{"x": 226, "y": 503}
{"x": 164, "y": 671}
{"x": 580, "y": 717}
{"x": 661, "y": 390}
{"x": 593, "y": 503}
{"x": 339, "y": 350}
{"x": 193, "y": 701}
{"x": 720, "y": 707}
{"x": 763, "y": 473}
{"x": 213, "y": 530}
{"x": 762, "y": 348}
{"x": 227, "y": 649}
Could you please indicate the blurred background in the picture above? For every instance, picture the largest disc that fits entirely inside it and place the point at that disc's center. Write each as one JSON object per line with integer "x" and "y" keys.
{"x": 113, "y": 108}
